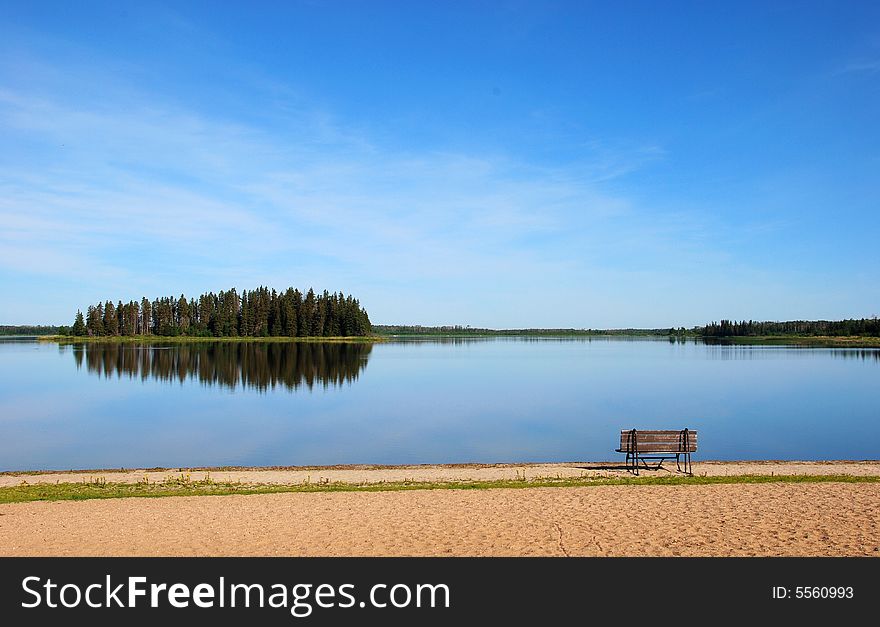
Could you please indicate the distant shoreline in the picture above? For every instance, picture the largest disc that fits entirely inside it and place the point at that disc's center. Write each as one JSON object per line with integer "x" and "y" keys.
{"x": 188, "y": 339}
{"x": 769, "y": 340}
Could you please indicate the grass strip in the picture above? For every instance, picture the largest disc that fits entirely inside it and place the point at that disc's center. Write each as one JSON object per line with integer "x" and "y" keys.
{"x": 101, "y": 489}
{"x": 817, "y": 341}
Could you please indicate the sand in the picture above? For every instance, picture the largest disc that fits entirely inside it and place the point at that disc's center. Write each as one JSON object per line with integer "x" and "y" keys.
{"x": 447, "y": 472}
{"x": 811, "y": 519}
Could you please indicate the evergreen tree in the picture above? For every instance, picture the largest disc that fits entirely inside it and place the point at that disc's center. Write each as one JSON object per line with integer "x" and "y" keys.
{"x": 275, "y": 327}
{"x": 260, "y": 312}
{"x": 183, "y": 315}
{"x": 111, "y": 322}
{"x": 246, "y": 317}
{"x": 120, "y": 319}
{"x": 206, "y": 313}
{"x": 288, "y": 313}
{"x": 79, "y": 325}
{"x": 307, "y": 315}
{"x": 146, "y": 316}
{"x": 95, "y": 320}
{"x": 130, "y": 318}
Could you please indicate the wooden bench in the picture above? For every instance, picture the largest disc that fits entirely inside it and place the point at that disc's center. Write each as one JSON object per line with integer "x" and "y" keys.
{"x": 658, "y": 445}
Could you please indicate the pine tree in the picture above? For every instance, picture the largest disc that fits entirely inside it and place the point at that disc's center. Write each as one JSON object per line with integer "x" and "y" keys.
{"x": 120, "y": 319}
{"x": 95, "y": 320}
{"x": 146, "y": 317}
{"x": 183, "y": 315}
{"x": 111, "y": 323}
{"x": 276, "y": 328}
{"x": 79, "y": 325}
{"x": 307, "y": 315}
{"x": 288, "y": 313}
{"x": 260, "y": 312}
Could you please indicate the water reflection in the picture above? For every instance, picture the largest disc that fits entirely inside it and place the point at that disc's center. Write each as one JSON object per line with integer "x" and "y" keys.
{"x": 521, "y": 339}
{"x": 256, "y": 365}
{"x": 727, "y": 351}
{"x": 714, "y": 348}
{"x": 858, "y": 353}
{"x": 424, "y": 401}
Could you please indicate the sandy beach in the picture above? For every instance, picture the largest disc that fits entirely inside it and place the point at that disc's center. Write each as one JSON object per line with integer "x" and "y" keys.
{"x": 442, "y": 472}
{"x": 808, "y": 519}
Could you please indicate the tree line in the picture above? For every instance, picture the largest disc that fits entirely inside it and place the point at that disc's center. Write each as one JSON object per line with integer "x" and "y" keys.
{"x": 863, "y": 327}
{"x": 27, "y": 329}
{"x": 256, "y": 313}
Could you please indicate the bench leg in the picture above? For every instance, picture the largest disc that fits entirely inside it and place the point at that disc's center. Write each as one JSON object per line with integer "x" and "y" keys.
{"x": 632, "y": 462}
{"x": 688, "y": 465}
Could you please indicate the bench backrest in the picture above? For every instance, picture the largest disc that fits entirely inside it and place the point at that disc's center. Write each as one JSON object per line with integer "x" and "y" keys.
{"x": 684, "y": 441}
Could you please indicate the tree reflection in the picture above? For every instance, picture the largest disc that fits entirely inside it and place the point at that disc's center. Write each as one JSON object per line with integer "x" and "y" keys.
{"x": 254, "y": 365}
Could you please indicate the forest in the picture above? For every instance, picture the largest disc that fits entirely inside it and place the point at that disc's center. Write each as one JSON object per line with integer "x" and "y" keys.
{"x": 862, "y": 327}
{"x": 27, "y": 329}
{"x": 256, "y": 313}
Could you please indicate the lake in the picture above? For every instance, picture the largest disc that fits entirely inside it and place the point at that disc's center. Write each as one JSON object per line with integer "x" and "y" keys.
{"x": 407, "y": 402}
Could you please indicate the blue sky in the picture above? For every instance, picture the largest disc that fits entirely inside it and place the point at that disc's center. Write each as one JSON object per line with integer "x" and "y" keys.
{"x": 500, "y": 164}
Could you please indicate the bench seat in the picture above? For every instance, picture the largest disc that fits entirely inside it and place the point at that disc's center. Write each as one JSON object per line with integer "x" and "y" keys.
{"x": 658, "y": 445}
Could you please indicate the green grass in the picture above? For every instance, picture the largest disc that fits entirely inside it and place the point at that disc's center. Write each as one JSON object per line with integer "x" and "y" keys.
{"x": 809, "y": 340}
{"x": 99, "y": 488}
{"x": 186, "y": 339}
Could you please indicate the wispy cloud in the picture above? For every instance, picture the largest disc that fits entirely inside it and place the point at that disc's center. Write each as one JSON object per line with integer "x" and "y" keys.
{"x": 129, "y": 194}
{"x": 862, "y": 66}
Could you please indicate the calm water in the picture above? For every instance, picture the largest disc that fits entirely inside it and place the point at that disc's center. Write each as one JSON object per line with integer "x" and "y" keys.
{"x": 106, "y": 406}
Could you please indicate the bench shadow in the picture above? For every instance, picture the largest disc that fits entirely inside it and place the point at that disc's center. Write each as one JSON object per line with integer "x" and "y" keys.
{"x": 603, "y": 467}
{"x": 626, "y": 468}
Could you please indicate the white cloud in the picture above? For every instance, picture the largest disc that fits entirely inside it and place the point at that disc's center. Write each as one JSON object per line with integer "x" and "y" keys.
{"x": 862, "y": 66}
{"x": 133, "y": 193}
